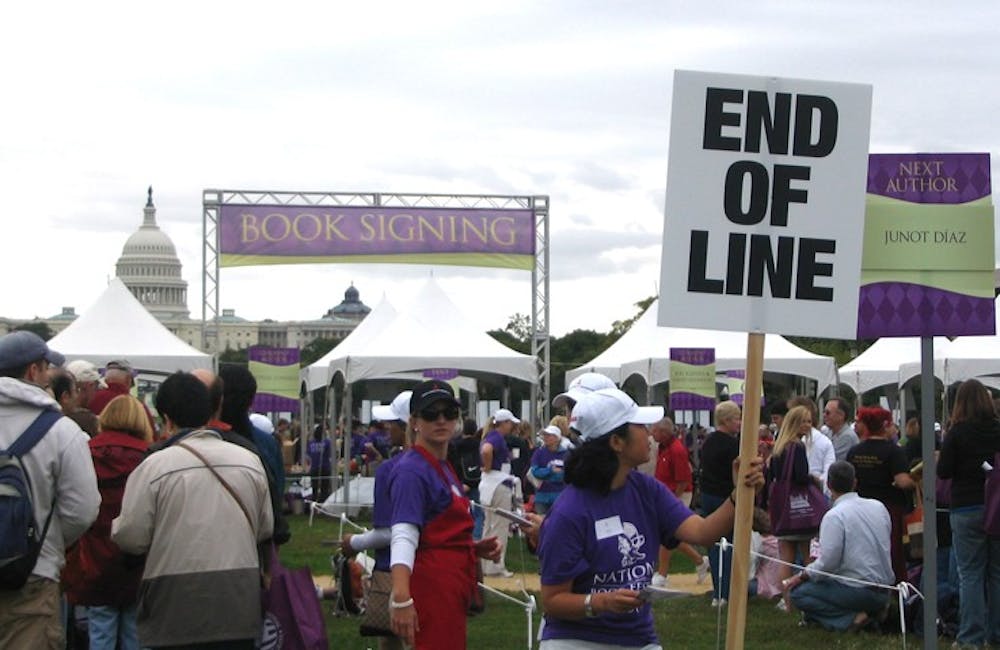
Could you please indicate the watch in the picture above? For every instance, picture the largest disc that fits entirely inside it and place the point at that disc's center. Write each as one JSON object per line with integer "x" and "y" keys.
{"x": 588, "y": 608}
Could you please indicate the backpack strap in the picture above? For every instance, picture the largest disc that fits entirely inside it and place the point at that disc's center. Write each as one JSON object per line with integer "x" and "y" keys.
{"x": 25, "y": 442}
{"x": 35, "y": 431}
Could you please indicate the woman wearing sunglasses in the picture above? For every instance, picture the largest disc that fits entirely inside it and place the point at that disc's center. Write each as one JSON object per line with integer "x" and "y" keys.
{"x": 432, "y": 552}
{"x": 600, "y": 541}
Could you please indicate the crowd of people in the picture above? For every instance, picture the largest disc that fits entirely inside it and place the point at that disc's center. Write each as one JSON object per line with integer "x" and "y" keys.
{"x": 159, "y": 535}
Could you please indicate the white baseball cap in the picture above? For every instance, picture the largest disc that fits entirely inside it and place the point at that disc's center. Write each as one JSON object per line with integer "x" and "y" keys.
{"x": 552, "y": 430}
{"x": 503, "y": 415}
{"x": 262, "y": 422}
{"x": 399, "y": 409}
{"x": 602, "y": 411}
{"x": 588, "y": 382}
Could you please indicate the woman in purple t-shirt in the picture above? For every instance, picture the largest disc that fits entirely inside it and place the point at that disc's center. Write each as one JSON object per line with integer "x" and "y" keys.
{"x": 493, "y": 492}
{"x": 599, "y": 542}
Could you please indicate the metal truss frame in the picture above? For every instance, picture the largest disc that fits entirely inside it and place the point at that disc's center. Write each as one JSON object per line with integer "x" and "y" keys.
{"x": 214, "y": 199}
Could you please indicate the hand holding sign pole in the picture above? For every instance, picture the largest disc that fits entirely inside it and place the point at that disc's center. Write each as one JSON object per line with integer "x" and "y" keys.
{"x": 763, "y": 221}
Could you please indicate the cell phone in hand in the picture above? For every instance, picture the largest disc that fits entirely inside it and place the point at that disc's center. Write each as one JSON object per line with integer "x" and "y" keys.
{"x": 517, "y": 518}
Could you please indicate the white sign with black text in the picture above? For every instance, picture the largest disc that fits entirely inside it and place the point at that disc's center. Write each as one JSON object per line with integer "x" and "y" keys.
{"x": 765, "y": 204}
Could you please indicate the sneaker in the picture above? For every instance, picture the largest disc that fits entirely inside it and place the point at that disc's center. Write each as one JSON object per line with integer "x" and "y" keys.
{"x": 500, "y": 574}
{"x": 782, "y": 605}
{"x": 660, "y": 581}
{"x": 703, "y": 569}
{"x": 718, "y": 602}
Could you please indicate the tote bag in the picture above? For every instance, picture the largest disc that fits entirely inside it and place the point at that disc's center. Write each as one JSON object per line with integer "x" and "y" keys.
{"x": 293, "y": 617}
{"x": 991, "y": 514}
{"x": 795, "y": 509}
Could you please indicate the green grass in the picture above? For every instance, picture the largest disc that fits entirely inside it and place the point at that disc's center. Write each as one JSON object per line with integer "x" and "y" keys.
{"x": 683, "y": 623}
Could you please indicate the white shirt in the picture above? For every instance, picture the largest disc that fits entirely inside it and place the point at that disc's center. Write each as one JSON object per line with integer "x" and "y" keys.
{"x": 854, "y": 541}
{"x": 819, "y": 451}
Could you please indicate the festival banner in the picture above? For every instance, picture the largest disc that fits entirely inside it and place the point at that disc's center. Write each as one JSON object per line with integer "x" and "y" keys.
{"x": 277, "y": 234}
{"x": 277, "y": 373}
{"x": 928, "y": 253}
{"x": 692, "y": 378}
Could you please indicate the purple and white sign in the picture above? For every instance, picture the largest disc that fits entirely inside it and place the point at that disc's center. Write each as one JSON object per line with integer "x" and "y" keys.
{"x": 276, "y": 234}
{"x": 692, "y": 378}
{"x": 277, "y": 373}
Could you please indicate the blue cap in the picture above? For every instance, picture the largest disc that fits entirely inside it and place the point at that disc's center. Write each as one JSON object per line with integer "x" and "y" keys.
{"x": 23, "y": 347}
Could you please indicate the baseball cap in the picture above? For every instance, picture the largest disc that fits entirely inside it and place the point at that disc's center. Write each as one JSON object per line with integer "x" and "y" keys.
{"x": 262, "y": 422}
{"x": 399, "y": 409}
{"x": 602, "y": 411}
{"x": 119, "y": 364}
{"x": 503, "y": 415}
{"x": 552, "y": 430}
{"x": 429, "y": 392}
{"x": 23, "y": 347}
{"x": 585, "y": 383}
{"x": 83, "y": 371}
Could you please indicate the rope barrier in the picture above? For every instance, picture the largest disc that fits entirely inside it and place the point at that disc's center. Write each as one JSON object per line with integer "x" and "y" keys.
{"x": 904, "y": 590}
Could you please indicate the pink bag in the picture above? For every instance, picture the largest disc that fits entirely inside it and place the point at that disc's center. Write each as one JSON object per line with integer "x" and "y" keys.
{"x": 794, "y": 509}
{"x": 293, "y": 617}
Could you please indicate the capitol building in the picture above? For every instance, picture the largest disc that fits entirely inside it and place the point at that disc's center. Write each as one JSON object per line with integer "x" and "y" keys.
{"x": 150, "y": 268}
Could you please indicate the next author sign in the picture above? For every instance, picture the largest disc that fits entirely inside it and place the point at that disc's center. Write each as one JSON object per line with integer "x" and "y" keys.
{"x": 765, "y": 204}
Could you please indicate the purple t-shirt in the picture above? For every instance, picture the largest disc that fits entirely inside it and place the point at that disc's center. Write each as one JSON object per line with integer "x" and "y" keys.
{"x": 382, "y": 511}
{"x": 604, "y": 543}
{"x": 548, "y": 466}
{"x": 319, "y": 456}
{"x": 416, "y": 491}
{"x": 501, "y": 454}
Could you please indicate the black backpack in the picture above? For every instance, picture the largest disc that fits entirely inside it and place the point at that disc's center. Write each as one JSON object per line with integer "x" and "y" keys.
{"x": 20, "y": 541}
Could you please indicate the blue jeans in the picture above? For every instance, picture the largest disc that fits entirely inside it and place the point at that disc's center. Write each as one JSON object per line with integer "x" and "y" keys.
{"x": 111, "y": 627}
{"x": 834, "y": 605}
{"x": 720, "y": 581}
{"x": 978, "y": 559}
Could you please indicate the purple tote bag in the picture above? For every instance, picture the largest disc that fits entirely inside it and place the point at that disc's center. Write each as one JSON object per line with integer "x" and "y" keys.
{"x": 795, "y": 509}
{"x": 293, "y": 617}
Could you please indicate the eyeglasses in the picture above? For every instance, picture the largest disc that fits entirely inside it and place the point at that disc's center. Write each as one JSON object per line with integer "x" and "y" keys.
{"x": 431, "y": 414}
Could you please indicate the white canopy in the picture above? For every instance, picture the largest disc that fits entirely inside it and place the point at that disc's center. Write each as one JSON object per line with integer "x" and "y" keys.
{"x": 645, "y": 351}
{"x": 318, "y": 374}
{"x": 117, "y": 326}
{"x": 432, "y": 334}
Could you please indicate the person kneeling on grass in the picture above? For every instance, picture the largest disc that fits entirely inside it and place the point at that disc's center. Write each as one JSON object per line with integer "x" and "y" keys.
{"x": 854, "y": 542}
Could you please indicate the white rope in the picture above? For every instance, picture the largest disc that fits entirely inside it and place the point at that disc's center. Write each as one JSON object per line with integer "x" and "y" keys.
{"x": 903, "y": 590}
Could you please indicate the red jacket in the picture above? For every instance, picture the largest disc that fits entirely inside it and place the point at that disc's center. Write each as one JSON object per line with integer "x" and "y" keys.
{"x": 96, "y": 572}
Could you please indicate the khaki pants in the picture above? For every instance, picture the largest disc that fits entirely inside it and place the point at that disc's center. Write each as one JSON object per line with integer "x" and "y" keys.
{"x": 30, "y": 616}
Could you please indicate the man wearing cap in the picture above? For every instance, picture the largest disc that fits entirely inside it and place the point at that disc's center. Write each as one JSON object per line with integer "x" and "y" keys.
{"x": 119, "y": 379}
{"x": 88, "y": 380}
{"x": 63, "y": 487}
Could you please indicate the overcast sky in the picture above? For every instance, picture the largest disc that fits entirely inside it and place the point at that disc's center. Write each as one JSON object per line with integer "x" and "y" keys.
{"x": 565, "y": 98}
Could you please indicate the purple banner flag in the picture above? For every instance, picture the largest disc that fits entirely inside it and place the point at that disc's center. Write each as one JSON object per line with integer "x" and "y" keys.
{"x": 444, "y": 374}
{"x": 276, "y": 234}
{"x": 277, "y": 373}
{"x": 692, "y": 378}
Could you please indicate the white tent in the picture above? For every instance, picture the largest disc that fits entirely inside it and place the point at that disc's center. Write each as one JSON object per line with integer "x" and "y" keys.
{"x": 879, "y": 364}
{"x": 645, "y": 351}
{"x": 318, "y": 374}
{"x": 433, "y": 333}
{"x": 117, "y": 326}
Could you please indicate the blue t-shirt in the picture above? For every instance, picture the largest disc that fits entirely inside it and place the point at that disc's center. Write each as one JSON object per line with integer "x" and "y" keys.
{"x": 604, "y": 543}
{"x": 548, "y": 466}
{"x": 501, "y": 454}
{"x": 382, "y": 511}
{"x": 416, "y": 491}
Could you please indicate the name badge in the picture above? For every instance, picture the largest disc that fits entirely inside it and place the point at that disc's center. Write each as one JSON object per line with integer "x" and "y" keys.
{"x": 609, "y": 527}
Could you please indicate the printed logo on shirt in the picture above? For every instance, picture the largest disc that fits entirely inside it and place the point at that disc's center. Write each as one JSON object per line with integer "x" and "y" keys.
{"x": 630, "y": 545}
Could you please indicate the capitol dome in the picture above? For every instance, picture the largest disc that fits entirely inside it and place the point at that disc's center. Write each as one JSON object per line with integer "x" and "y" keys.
{"x": 149, "y": 267}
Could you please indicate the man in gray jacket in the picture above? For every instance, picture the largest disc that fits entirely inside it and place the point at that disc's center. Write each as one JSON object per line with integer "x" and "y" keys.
{"x": 201, "y": 582}
{"x": 62, "y": 482}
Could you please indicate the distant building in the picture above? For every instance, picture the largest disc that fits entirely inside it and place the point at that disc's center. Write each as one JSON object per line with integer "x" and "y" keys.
{"x": 150, "y": 268}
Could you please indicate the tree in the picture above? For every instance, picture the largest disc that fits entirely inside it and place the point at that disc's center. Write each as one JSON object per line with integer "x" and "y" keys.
{"x": 619, "y": 327}
{"x": 315, "y": 349}
{"x": 516, "y": 335}
{"x": 40, "y": 328}
{"x": 233, "y": 356}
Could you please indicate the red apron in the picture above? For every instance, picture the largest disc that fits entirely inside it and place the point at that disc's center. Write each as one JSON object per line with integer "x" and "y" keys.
{"x": 444, "y": 569}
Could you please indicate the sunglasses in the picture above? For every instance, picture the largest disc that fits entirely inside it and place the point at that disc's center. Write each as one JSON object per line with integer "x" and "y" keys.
{"x": 432, "y": 414}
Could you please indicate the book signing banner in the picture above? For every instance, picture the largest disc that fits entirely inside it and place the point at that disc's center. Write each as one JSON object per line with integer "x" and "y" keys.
{"x": 692, "y": 379}
{"x": 280, "y": 234}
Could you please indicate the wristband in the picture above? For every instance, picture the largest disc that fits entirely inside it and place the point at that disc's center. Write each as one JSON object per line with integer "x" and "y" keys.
{"x": 588, "y": 608}
{"x": 403, "y": 605}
